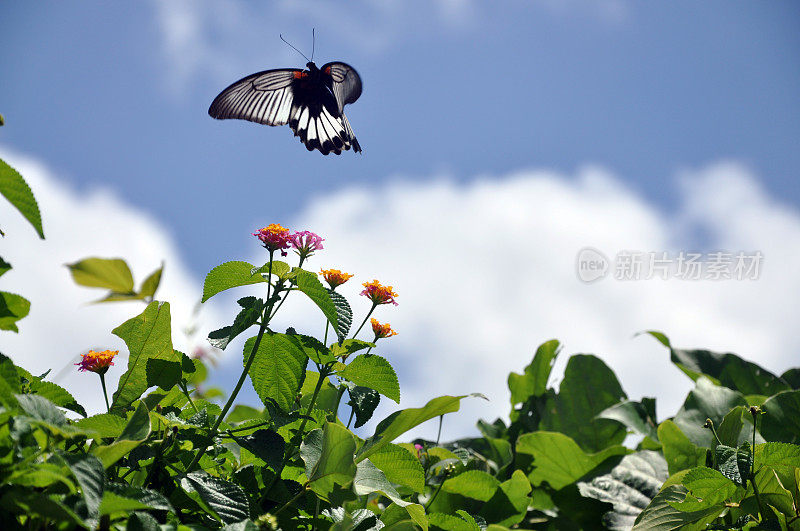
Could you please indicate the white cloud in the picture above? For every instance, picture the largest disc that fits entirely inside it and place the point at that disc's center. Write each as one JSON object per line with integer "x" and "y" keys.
{"x": 486, "y": 272}
{"x": 62, "y": 324}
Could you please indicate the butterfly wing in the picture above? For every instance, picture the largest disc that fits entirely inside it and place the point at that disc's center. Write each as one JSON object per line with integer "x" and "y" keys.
{"x": 345, "y": 83}
{"x": 264, "y": 97}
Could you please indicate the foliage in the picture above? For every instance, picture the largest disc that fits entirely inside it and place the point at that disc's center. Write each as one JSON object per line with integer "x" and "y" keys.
{"x": 166, "y": 456}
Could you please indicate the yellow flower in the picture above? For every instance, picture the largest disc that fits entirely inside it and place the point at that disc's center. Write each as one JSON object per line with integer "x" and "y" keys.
{"x": 98, "y": 362}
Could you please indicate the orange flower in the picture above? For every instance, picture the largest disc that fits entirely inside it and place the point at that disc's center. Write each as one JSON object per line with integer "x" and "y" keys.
{"x": 381, "y": 330}
{"x": 334, "y": 277}
{"x": 379, "y": 294}
{"x": 98, "y": 362}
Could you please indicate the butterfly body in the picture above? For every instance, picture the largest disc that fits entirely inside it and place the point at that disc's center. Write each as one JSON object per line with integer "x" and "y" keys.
{"x": 310, "y": 101}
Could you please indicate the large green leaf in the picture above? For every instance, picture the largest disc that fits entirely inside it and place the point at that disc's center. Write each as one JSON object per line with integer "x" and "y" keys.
{"x": 636, "y": 416}
{"x": 782, "y": 419}
{"x": 707, "y": 488}
{"x": 14, "y": 188}
{"x": 264, "y": 444}
{"x": 401, "y": 421}
{"x": 133, "y": 434}
{"x": 40, "y": 409}
{"x": 729, "y": 370}
{"x": 679, "y": 451}
{"x": 229, "y": 275}
{"x": 773, "y": 492}
{"x": 328, "y": 456}
{"x": 373, "y": 371}
{"x": 278, "y": 369}
{"x": 104, "y": 424}
{"x": 510, "y": 502}
{"x": 659, "y": 515}
{"x": 706, "y": 401}
{"x": 629, "y": 487}
{"x": 148, "y": 336}
{"x": 226, "y": 500}
{"x": 533, "y": 381}
{"x": 588, "y": 388}
{"x": 475, "y": 484}
{"x": 400, "y": 466}
{"x": 363, "y": 400}
{"x": 558, "y": 460}
{"x": 56, "y": 394}
{"x": 12, "y": 308}
{"x": 151, "y": 283}
{"x": 122, "y": 497}
{"x": 309, "y": 284}
{"x": 111, "y": 273}
{"x": 91, "y": 476}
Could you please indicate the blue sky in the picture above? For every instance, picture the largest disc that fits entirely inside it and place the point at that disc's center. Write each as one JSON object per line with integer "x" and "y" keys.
{"x": 113, "y": 96}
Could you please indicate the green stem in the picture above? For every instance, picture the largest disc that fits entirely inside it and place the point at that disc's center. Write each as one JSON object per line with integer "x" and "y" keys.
{"x": 327, "y": 325}
{"x": 753, "y": 468}
{"x": 242, "y": 377}
{"x": 338, "y": 401}
{"x": 435, "y": 494}
{"x": 323, "y": 375}
{"x": 349, "y": 420}
{"x": 182, "y": 385}
{"x": 374, "y": 305}
{"x": 296, "y": 496}
{"x": 105, "y": 394}
{"x": 288, "y": 291}
{"x": 439, "y": 434}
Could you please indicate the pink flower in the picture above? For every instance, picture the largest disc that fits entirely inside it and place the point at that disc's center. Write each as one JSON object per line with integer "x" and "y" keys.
{"x": 306, "y": 243}
{"x": 98, "y": 362}
{"x": 274, "y": 237}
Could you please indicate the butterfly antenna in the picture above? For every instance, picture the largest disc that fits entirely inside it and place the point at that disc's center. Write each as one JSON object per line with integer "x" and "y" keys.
{"x": 293, "y": 48}
{"x": 313, "y": 43}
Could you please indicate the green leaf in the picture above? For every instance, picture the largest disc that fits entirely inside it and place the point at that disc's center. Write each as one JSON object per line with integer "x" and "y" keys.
{"x": 733, "y": 463}
{"x": 634, "y": 416}
{"x": 226, "y": 500}
{"x": 41, "y": 409}
{"x": 151, "y": 283}
{"x": 707, "y": 487}
{"x": 40, "y": 476}
{"x": 148, "y": 336}
{"x": 328, "y": 456}
{"x": 309, "y": 284}
{"x": 373, "y": 371}
{"x": 111, "y": 273}
{"x": 660, "y": 515}
{"x": 264, "y": 444}
{"x": 135, "y": 432}
{"x": 16, "y": 190}
{"x": 782, "y": 420}
{"x": 56, "y": 394}
{"x": 163, "y": 373}
{"x": 777, "y": 455}
{"x": 91, "y": 476}
{"x": 706, "y": 401}
{"x": 448, "y": 522}
{"x": 400, "y": 466}
{"x": 629, "y": 487}
{"x": 24, "y": 502}
{"x": 5, "y": 267}
{"x": 588, "y": 388}
{"x": 729, "y": 370}
{"x": 772, "y": 492}
{"x": 533, "y": 382}
{"x": 363, "y": 400}
{"x": 510, "y": 502}
{"x": 401, "y": 421}
{"x": 141, "y": 521}
{"x": 252, "y": 308}
{"x": 792, "y": 377}
{"x": 104, "y": 424}
{"x": 558, "y": 460}
{"x": 679, "y": 451}
{"x": 278, "y": 369}
{"x": 369, "y": 479}
{"x": 344, "y": 314}
{"x": 731, "y": 426}
{"x": 475, "y": 484}
{"x": 229, "y": 275}
{"x": 327, "y": 398}
{"x": 279, "y": 268}
{"x": 12, "y": 308}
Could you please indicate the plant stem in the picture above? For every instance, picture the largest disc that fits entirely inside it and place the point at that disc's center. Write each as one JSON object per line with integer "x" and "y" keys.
{"x": 242, "y": 377}
{"x": 439, "y": 433}
{"x": 296, "y": 496}
{"x": 352, "y": 412}
{"x": 323, "y": 375}
{"x": 288, "y": 290}
{"x": 182, "y": 385}
{"x": 374, "y": 305}
{"x": 105, "y": 394}
{"x": 435, "y": 494}
{"x": 327, "y": 325}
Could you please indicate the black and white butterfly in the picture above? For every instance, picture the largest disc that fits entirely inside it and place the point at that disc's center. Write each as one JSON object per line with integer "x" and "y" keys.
{"x": 311, "y": 101}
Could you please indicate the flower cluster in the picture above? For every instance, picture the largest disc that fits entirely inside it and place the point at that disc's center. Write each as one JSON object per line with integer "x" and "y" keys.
{"x": 381, "y": 330}
{"x": 274, "y": 237}
{"x": 334, "y": 277}
{"x": 305, "y": 243}
{"x": 378, "y": 293}
{"x": 98, "y": 362}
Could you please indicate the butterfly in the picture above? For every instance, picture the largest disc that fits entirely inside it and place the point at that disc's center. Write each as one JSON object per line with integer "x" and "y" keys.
{"x": 311, "y": 101}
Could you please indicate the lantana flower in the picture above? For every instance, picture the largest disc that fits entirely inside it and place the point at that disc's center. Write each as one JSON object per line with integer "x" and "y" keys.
{"x": 274, "y": 237}
{"x": 97, "y": 362}
{"x": 334, "y": 277}
{"x": 306, "y": 243}
{"x": 381, "y": 330}
{"x": 378, "y": 293}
